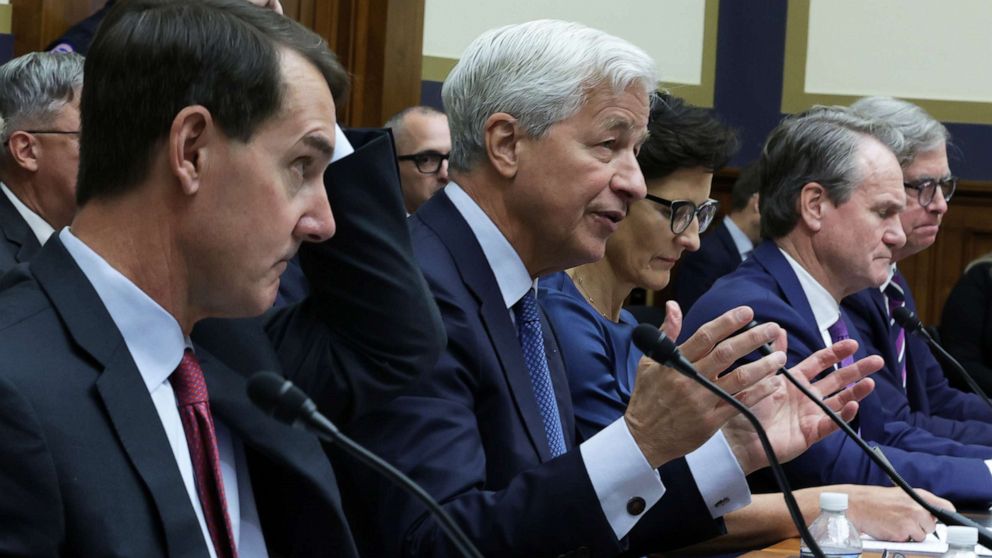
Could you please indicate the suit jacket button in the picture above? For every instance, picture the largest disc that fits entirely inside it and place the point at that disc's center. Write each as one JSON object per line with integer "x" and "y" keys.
{"x": 636, "y": 505}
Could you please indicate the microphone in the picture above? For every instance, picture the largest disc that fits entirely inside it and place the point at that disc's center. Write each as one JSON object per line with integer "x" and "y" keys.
{"x": 877, "y": 457}
{"x": 280, "y": 398}
{"x": 656, "y": 346}
{"x": 908, "y": 320}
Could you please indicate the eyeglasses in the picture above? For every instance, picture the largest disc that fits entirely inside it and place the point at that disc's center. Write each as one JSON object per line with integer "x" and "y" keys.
{"x": 681, "y": 213}
{"x": 40, "y": 132}
{"x": 926, "y": 188}
{"x": 428, "y": 162}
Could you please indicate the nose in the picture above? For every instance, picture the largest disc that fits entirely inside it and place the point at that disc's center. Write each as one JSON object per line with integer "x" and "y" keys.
{"x": 689, "y": 239}
{"x": 627, "y": 180}
{"x": 894, "y": 237}
{"x": 938, "y": 205}
{"x": 442, "y": 173}
{"x": 317, "y": 223}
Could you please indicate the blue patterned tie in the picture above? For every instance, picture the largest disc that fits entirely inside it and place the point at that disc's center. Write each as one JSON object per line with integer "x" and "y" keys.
{"x": 896, "y": 298}
{"x": 531, "y": 338}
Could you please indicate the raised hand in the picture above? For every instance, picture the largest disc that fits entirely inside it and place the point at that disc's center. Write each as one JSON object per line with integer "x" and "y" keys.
{"x": 792, "y": 421}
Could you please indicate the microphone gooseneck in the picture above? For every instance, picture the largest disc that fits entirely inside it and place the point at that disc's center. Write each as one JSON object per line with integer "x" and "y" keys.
{"x": 280, "y": 398}
{"x": 908, "y": 320}
{"x": 947, "y": 516}
{"x": 656, "y": 346}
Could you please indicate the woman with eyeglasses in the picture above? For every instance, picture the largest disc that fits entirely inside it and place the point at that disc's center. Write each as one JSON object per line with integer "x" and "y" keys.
{"x": 585, "y": 306}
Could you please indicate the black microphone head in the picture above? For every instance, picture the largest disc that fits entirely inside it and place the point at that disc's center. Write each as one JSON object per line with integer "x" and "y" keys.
{"x": 654, "y": 343}
{"x": 278, "y": 397}
{"x": 907, "y": 319}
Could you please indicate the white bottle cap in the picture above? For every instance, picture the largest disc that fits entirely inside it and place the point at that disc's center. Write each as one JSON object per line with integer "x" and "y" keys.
{"x": 962, "y": 536}
{"x": 833, "y": 501}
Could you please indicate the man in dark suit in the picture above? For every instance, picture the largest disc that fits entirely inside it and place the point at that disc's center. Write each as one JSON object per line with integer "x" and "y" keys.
{"x": 723, "y": 249}
{"x": 126, "y": 431}
{"x": 913, "y": 385}
{"x": 39, "y": 107}
{"x": 830, "y": 238}
{"x": 546, "y": 119}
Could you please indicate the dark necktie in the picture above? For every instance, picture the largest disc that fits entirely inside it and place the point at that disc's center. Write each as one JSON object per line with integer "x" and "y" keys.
{"x": 531, "y": 338}
{"x": 896, "y": 298}
{"x": 838, "y": 332}
{"x": 194, "y": 409}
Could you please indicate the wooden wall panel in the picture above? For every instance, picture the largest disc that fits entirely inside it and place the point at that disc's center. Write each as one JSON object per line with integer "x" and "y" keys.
{"x": 36, "y": 23}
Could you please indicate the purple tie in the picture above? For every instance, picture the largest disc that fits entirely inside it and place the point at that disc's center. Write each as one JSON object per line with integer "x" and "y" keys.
{"x": 896, "y": 298}
{"x": 838, "y": 332}
{"x": 194, "y": 409}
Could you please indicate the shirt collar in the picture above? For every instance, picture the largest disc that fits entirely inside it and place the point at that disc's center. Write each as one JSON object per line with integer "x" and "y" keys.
{"x": 825, "y": 309}
{"x": 510, "y": 271}
{"x": 40, "y": 227}
{"x": 152, "y": 335}
{"x": 892, "y": 274}
{"x": 741, "y": 241}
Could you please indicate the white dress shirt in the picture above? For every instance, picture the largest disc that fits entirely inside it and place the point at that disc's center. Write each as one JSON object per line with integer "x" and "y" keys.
{"x": 40, "y": 227}
{"x": 615, "y": 465}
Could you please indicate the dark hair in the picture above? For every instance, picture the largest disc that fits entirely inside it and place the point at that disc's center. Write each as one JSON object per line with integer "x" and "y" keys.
{"x": 684, "y": 136}
{"x": 747, "y": 184}
{"x": 819, "y": 145}
{"x": 152, "y": 58}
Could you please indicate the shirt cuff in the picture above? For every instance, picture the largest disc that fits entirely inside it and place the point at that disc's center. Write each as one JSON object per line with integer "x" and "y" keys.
{"x": 988, "y": 463}
{"x": 625, "y": 483}
{"x": 719, "y": 476}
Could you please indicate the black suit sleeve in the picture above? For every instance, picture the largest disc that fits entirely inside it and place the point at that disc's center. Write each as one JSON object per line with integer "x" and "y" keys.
{"x": 966, "y": 324}
{"x": 370, "y": 318}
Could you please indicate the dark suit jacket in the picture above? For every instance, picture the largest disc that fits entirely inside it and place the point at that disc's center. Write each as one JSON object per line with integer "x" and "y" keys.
{"x": 716, "y": 257}
{"x": 17, "y": 243}
{"x": 927, "y": 401}
{"x": 767, "y": 284}
{"x": 966, "y": 324}
{"x": 86, "y": 468}
{"x": 471, "y": 434}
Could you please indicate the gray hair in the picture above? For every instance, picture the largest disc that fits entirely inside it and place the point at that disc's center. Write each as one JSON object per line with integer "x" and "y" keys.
{"x": 540, "y": 72}
{"x": 819, "y": 145}
{"x": 920, "y": 131}
{"x": 34, "y": 87}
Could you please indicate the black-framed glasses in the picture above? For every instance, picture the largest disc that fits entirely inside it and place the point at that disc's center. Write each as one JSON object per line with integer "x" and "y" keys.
{"x": 681, "y": 213}
{"x": 428, "y": 162}
{"x": 42, "y": 132}
{"x": 926, "y": 188}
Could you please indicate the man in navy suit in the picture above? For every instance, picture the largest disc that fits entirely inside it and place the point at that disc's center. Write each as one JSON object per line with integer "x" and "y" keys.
{"x": 125, "y": 424}
{"x": 39, "y": 105}
{"x": 831, "y": 195}
{"x": 546, "y": 120}
{"x": 723, "y": 249}
{"x": 913, "y": 386}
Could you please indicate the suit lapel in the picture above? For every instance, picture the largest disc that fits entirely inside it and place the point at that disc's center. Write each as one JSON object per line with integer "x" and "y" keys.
{"x": 22, "y": 241}
{"x": 441, "y": 216}
{"x": 130, "y": 409}
{"x": 768, "y": 256}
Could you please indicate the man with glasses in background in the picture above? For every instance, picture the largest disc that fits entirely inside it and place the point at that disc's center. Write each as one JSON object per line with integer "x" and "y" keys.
{"x": 913, "y": 385}
{"x": 39, "y": 105}
{"x": 423, "y": 142}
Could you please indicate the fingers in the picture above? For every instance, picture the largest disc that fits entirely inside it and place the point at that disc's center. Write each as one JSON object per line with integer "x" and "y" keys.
{"x": 849, "y": 374}
{"x": 732, "y": 349}
{"x": 751, "y": 373}
{"x": 819, "y": 361}
{"x": 709, "y": 334}
{"x": 752, "y": 395}
{"x": 673, "y": 320}
{"x": 935, "y": 501}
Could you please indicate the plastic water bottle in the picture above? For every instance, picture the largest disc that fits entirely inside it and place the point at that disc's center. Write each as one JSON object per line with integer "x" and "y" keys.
{"x": 836, "y": 536}
{"x": 961, "y": 542}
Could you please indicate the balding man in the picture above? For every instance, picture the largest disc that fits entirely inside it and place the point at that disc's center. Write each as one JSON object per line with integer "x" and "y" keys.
{"x": 423, "y": 143}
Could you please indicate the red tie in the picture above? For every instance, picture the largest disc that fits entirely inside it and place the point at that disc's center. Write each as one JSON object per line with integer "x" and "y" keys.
{"x": 194, "y": 408}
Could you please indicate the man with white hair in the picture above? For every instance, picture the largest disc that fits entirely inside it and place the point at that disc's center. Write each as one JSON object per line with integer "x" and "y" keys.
{"x": 913, "y": 385}
{"x": 39, "y": 103}
{"x": 546, "y": 120}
